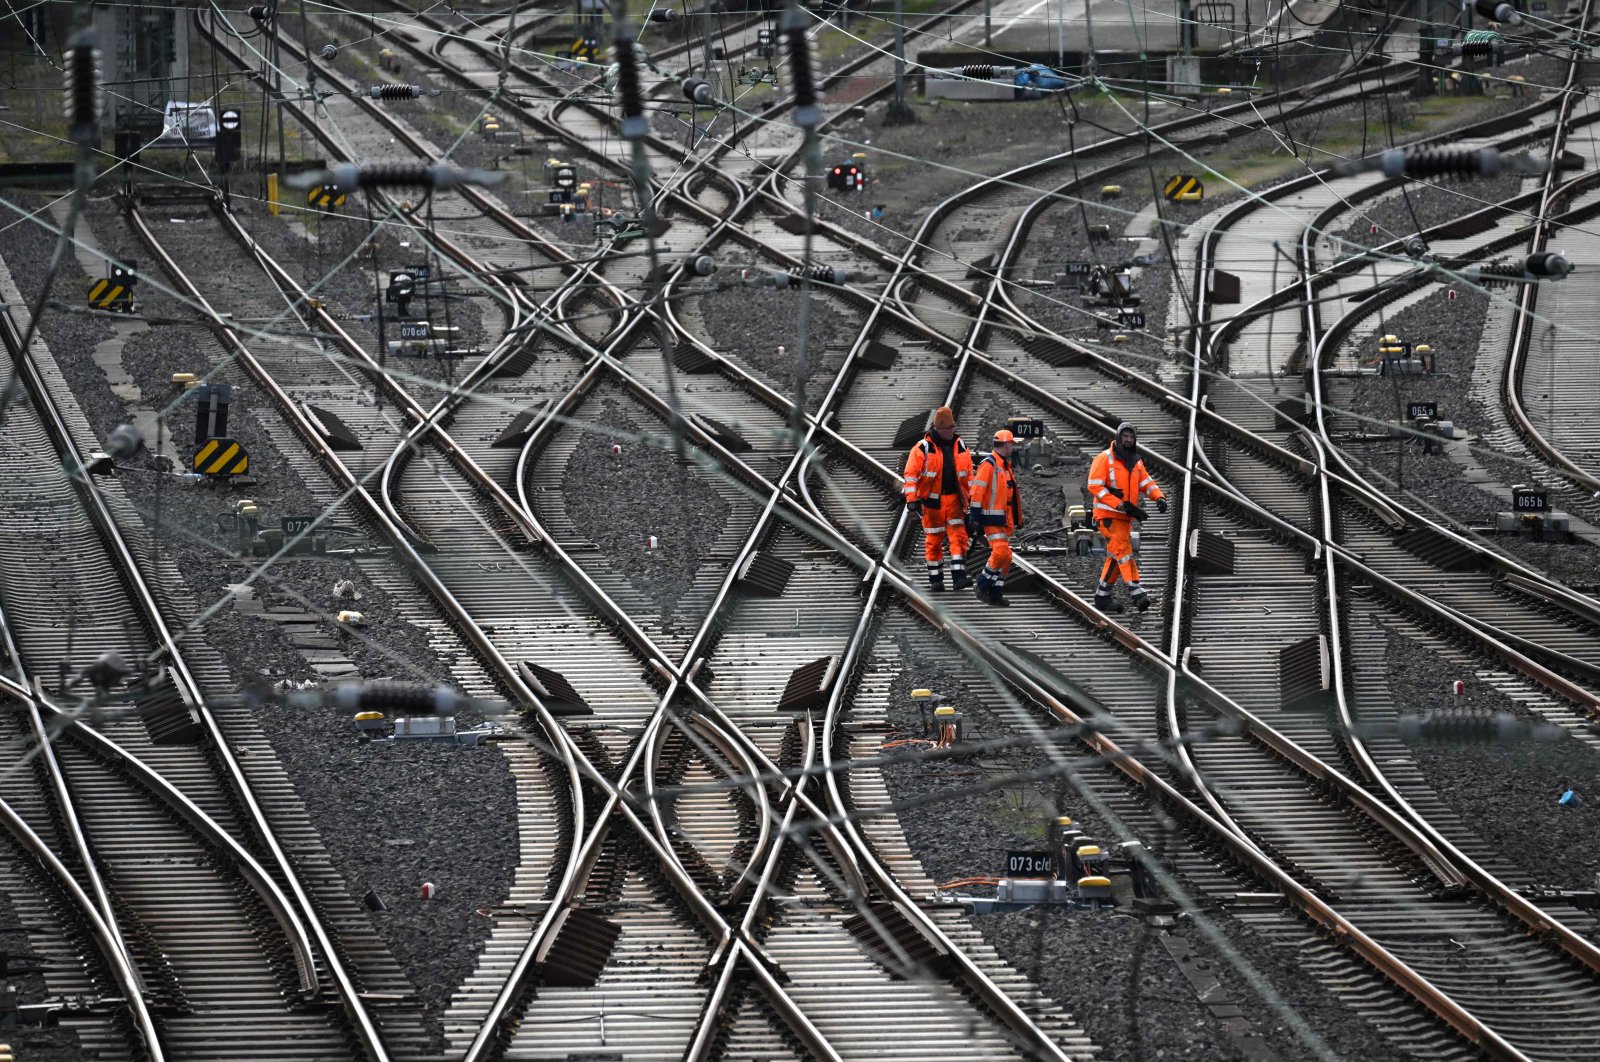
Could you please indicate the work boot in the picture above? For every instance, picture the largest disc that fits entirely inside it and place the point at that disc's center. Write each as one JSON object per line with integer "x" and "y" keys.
{"x": 981, "y": 588}
{"x": 958, "y": 576}
{"x": 1106, "y": 603}
{"x": 936, "y": 583}
{"x": 997, "y": 595}
{"x": 1141, "y": 600}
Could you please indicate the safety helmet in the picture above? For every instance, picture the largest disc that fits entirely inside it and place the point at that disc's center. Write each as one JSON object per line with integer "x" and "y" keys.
{"x": 1004, "y": 436}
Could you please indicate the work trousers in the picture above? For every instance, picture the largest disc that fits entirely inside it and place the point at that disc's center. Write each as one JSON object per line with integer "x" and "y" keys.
{"x": 999, "y": 549}
{"x": 945, "y": 522}
{"x": 1119, "y": 554}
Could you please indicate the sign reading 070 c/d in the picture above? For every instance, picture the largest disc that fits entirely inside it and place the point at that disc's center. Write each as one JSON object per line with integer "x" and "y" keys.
{"x": 1030, "y": 865}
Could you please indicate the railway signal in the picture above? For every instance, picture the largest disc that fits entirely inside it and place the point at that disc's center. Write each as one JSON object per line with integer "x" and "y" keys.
{"x": 401, "y": 287}
{"x": 229, "y": 137}
{"x": 211, "y": 411}
{"x": 847, "y": 177}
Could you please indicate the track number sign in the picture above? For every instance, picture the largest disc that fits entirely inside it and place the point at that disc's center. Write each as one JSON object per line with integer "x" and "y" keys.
{"x": 1530, "y": 501}
{"x": 1030, "y": 865}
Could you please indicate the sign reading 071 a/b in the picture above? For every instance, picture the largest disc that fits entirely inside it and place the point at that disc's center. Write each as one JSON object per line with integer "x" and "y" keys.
{"x": 1030, "y": 865}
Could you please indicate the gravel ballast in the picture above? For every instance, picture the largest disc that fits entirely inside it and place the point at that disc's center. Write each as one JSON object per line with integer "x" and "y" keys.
{"x": 1085, "y": 960}
{"x": 1507, "y": 793}
{"x": 618, "y": 502}
{"x": 452, "y": 811}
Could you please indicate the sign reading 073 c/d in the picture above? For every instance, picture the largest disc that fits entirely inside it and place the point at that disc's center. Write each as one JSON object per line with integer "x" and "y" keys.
{"x": 1030, "y": 865}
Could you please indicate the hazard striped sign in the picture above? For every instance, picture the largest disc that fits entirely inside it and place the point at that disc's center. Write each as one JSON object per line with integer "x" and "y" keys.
{"x": 221, "y": 457}
{"x": 1184, "y": 188}
{"x": 320, "y": 198}
{"x": 107, "y": 294}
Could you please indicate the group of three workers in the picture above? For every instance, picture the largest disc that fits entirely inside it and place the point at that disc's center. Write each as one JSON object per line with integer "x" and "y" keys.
{"x": 959, "y": 500}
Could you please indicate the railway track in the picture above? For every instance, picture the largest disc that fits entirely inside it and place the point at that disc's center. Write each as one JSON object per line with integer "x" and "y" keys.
{"x": 420, "y": 505}
{"x": 222, "y": 946}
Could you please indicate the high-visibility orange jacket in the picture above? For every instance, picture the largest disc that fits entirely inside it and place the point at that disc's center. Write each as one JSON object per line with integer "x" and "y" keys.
{"x": 925, "y": 469}
{"x": 995, "y": 495}
{"x": 1112, "y": 482}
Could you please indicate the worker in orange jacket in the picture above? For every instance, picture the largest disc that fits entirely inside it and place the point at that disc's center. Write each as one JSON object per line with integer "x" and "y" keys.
{"x": 937, "y": 471}
{"x": 1117, "y": 482}
{"x": 995, "y": 511}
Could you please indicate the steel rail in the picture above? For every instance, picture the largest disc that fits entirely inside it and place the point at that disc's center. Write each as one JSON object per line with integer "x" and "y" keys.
{"x": 66, "y": 807}
{"x": 1527, "y": 300}
{"x": 402, "y": 538}
{"x": 107, "y": 937}
{"x": 1344, "y": 931}
{"x": 1004, "y": 1002}
{"x": 294, "y": 929}
{"x": 97, "y": 908}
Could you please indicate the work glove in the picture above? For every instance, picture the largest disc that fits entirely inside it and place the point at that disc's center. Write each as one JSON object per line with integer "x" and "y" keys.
{"x": 914, "y": 504}
{"x": 1129, "y": 508}
{"x": 974, "y": 524}
{"x": 1161, "y": 505}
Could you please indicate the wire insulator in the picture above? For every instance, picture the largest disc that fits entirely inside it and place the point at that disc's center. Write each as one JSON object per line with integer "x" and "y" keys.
{"x": 701, "y": 265}
{"x": 822, "y": 274}
{"x": 330, "y": 52}
{"x": 398, "y": 698}
{"x": 84, "y": 96}
{"x": 635, "y": 126}
{"x": 1548, "y": 264}
{"x": 1416, "y": 247}
{"x": 1498, "y": 11}
{"x": 802, "y": 72}
{"x": 1497, "y": 728}
{"x": 394, "y": 91}
{"x": 664, "y": 14}
{"x": 1476, "y": 49}
{"x": 1441, "y": 162}
{"x": 347, "y": 177}
{"x": 697, "y": 91}
{"x": 260, "y": 12}
{"x": 979, "y": 72}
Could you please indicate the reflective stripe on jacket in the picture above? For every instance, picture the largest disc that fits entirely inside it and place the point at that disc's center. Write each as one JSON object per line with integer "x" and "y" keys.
{"x": 995, "y": 493}
{"x": 925, "y": 468}
{"x": 1111, "y": 482}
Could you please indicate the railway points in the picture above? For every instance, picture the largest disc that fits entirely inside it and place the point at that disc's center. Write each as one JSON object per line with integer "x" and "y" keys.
{"x": 544, "y": 647}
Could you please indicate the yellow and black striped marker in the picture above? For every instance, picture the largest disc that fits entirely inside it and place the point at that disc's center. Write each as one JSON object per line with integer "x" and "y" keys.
{"x": 584, "y": 50}
{"x": 1184, "y": 188}
{"x": 106, "y": 294}
{"x": 320, "y": 198}
{"x": 221, "y": 457}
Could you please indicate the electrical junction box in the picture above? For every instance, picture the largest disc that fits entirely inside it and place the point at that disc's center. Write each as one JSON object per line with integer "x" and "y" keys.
{"x": 1031, "y": 890}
